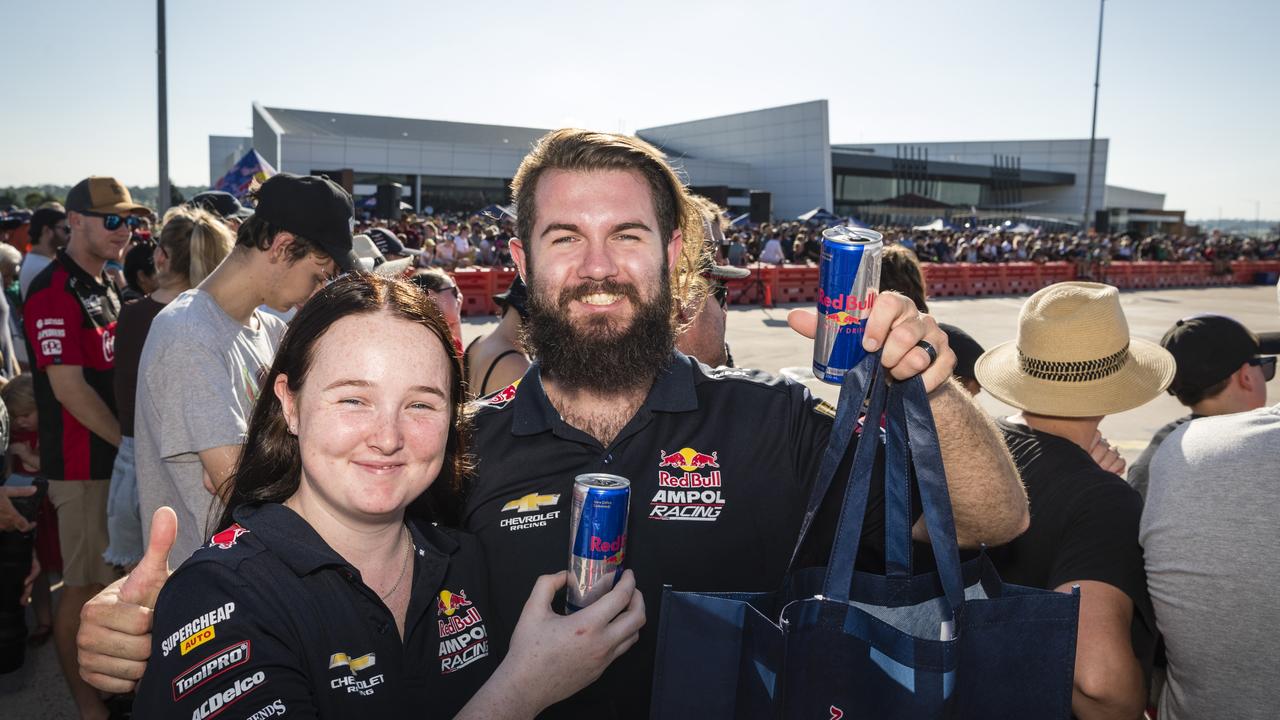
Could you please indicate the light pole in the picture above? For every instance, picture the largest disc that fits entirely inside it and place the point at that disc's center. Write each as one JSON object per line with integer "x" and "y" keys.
{"x": 163, "y": 102}
{"x": 1093, "y": 130}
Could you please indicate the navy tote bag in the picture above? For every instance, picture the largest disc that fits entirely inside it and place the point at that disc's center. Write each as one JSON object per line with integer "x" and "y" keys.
{"x": 835, "y": 643}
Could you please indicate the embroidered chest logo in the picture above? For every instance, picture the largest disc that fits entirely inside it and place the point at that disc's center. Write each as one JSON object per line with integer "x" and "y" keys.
{"x": 526, "y": 511}
{"x": 351, "y": 680}
{"x": 463, "y": 637}
{"x": 688, "y": 486}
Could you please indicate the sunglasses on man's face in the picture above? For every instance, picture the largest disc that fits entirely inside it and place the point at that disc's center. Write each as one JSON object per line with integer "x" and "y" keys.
{"x": 112, "y": 221}
{"x": 1268, "y": 365}
{"x": 721, "y": 293}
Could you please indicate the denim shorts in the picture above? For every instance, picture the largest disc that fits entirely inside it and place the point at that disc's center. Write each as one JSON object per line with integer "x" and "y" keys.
{"x": 124, "y": 517}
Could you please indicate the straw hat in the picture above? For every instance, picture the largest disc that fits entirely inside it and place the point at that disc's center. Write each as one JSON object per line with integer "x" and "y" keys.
{"x": 1074, "y": 357}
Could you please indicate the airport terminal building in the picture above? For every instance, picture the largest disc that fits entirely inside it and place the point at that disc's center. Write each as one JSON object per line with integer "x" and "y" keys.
{"x": 778, "y": 162}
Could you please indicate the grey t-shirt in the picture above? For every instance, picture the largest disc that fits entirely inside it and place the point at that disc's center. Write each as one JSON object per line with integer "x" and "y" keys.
{"x": 1211, "y": 535}
{"x": 198, "y": 379}
{"x": 1140, "y": 471}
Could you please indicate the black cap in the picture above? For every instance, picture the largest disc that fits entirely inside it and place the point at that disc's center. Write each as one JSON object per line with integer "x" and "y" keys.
{"x": 316, "y": 208}
{"x": 967, "y": 350}
{"x": 1207, "y": 349}
{"x": 515, "y": 296}
{"x": 222, "y": 204}
{"x": 388, "y": 244}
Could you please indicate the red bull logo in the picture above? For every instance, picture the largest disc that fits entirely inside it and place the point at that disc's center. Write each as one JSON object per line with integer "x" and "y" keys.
{"x": 832, "y": 304}
{"x": 843, "y": 318}
{"x": 228, "y": 537}
{"x": 450, "y": 602}
{"x": 502, "y": 397}
{"x": 687, "y": 459}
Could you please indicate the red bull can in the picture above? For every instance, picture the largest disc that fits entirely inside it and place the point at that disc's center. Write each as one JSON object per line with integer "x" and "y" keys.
{"x": 598, "y": 522}
{"x": 848, "y": 281}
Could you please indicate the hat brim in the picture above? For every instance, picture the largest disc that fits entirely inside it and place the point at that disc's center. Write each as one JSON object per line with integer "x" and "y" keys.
{"x": 1145, "y": 375}
{"x": 729, "y": 272}
{"x": 120, "y": 209}
{"x": 1269, "y": 343}
{"x": 394, "y": 269}
{"x": 348, "y": 261}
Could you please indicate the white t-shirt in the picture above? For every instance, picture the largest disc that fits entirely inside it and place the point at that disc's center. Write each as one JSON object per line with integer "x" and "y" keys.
{"x": 772, "y": 252}
{"x": 198, "y": 380}
{"x": 32, "y": 264}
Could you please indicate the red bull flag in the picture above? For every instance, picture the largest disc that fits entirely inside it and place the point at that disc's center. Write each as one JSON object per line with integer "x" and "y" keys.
{"x": 250, "y": 172}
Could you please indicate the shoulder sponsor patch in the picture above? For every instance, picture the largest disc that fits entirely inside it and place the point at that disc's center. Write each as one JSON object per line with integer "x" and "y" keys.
{"x": 216, "y": 703}
{"x": 51, "y": 347}
{"x": 198, "y": 631}
{"x": 500, "y": 398}
{"x": 224, "y": 660}
{"x": 227, "y": 538}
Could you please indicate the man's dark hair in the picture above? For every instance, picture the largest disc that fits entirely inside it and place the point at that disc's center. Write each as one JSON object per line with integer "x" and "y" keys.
{"x": 1191, "y": 396}
{"x": 258, "y": 234}
{"x": 140, "y": 259}
{"x": 44, "y": 218}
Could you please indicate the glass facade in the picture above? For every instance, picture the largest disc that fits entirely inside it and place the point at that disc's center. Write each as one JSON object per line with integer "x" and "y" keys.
{"x": 450, "y": 194}
{"x": 854, "y": 190}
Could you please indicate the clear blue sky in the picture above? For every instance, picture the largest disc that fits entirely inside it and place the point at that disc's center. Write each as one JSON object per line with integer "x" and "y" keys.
{"x": 1190, "y": 89}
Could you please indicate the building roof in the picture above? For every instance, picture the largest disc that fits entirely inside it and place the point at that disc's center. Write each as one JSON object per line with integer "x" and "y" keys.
{"x": 330, "y": 124}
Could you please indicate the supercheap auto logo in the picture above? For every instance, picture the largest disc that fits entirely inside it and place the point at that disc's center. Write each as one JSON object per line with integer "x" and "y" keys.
{"x": 689, "y": 494}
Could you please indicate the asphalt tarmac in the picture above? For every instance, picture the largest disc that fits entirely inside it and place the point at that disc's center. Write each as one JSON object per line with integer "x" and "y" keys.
{"x": 760, "y": 338}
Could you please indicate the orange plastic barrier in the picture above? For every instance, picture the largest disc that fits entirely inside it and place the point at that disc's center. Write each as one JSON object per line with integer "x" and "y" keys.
{"x": 799, "y": 283}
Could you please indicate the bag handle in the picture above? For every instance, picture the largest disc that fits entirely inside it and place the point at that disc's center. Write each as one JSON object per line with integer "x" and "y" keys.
{"x": 848, "y": 536}
{"x": 853, "y": 391}
{"x": 914, "y": 446}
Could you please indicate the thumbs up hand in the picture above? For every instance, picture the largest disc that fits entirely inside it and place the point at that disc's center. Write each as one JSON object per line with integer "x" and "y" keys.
{"x": 115, "y": 626}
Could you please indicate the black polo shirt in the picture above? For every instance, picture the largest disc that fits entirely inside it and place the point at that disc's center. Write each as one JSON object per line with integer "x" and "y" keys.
{"x": 268, "y": 620}
{"x": 720, "y": 463}
{"x": 70, "y": 319}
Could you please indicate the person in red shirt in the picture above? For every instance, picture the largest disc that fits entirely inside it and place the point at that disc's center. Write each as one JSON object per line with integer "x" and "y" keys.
{"x": 70, "y": 319}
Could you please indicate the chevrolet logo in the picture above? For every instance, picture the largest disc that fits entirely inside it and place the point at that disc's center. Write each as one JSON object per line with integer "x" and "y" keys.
{"x": 337, "y": 660}
{"x": 531, "y": 502}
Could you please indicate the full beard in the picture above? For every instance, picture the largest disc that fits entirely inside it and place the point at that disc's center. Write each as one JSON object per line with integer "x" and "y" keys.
{"x": 596, "y": 356}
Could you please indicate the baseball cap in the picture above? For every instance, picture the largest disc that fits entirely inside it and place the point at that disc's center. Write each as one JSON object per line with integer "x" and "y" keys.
{"x": 1207, "y": 349}
{"x": 728, "y": 272}
{"x": 388, "y": 244}
{"x": 222, "y": 204}
{"x": 103, "y": 195}
{"x": 967, "y": 350}
{"x": 372, "y": 260}
{"x": 516, "y": 296}
{"x": 314, "y": 207}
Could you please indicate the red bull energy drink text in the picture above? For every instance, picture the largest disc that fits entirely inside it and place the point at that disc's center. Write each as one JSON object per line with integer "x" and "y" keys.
{"x": 848, "y": 282}
{"x": 601, "y": 503}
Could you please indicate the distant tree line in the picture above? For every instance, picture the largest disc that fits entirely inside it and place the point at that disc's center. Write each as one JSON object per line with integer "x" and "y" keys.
{"x": 32, "y": 196}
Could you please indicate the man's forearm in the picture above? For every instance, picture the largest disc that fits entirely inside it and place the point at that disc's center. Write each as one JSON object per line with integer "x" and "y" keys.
{"x": 87, "y": 407}
{"x": 987, "y": 496}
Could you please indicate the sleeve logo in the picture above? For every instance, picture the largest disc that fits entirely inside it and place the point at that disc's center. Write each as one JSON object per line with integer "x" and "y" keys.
{"x": 51, "y": 347}
{"x": 202, "y": 672}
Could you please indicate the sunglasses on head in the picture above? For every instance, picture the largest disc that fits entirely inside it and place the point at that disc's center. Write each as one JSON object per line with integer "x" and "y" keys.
{"x": 1268, "y": 365}
{"x": 112, "y": 221}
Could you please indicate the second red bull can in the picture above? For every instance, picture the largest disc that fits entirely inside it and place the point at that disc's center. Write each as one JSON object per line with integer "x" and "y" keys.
{"x": 598, "y": 522}
{"x": 848, "y": 282}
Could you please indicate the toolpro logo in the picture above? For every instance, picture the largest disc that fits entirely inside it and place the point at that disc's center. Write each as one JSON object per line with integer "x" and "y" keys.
{"x": 202, "y": 672}
{"x": 463, "y": 637}
{"x": 226, "y": 538}
{"x": 692, "y": 492}
{"x": 531, "y": 503}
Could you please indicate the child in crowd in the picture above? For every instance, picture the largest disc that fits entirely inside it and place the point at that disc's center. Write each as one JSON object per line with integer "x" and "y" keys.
{"x": 19, "y": 398}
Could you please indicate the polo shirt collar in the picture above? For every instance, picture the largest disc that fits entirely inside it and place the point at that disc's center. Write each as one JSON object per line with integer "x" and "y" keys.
{"x": 672, "y": 391}
{"x": 73, "y": 268}
{"x": 300, "y": 547}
